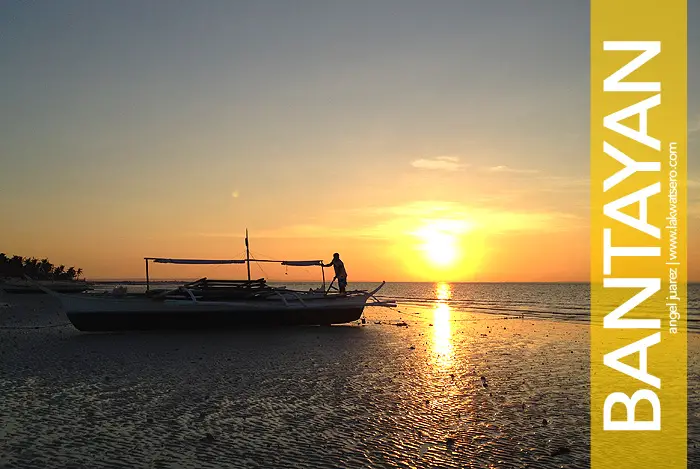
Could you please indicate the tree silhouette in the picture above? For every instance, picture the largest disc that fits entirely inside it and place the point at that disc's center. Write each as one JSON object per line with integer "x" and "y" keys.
{"x": 3, "y": 264}
{"x": 45, "y": 269}
{"x": 31, "y": 267}
{"x": 59, "y": 272}
{"x": 18, "y": 267}
{"x": 70, "y": 273}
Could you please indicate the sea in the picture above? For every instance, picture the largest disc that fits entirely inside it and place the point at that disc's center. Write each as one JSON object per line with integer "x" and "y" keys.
{"x": 551, "y": 301}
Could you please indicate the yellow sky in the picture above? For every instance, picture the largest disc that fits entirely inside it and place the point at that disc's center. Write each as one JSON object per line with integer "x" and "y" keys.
{"x": 425, "y": 224}
{"x": 499, "y": 225}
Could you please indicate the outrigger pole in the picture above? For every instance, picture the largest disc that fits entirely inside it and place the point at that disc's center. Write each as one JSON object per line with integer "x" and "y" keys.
{"x": 323, "y": 276}
{"x": 247, "y": 253}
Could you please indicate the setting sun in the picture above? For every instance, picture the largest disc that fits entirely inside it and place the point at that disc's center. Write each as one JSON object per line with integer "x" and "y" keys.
{"x": 440, "y": 249}
{"x": 440, "y": 243}
{"x": 449, "y": 249}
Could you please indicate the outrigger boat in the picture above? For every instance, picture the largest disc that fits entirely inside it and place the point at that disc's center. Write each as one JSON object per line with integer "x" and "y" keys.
{"x": 217, "y": 304}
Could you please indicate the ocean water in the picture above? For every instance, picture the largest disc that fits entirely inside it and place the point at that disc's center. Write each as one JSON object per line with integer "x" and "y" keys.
{"x": 554, "y": 301}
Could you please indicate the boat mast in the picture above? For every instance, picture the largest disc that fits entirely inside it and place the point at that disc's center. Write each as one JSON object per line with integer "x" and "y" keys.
{"x": 247, "y": 253}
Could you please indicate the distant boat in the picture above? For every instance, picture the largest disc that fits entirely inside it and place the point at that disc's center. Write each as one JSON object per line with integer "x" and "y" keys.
{"x": 216, "y": 304}
{"x": 20, "y": 285}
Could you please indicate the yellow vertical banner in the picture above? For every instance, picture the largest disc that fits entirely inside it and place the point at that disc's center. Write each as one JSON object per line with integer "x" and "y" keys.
{"x": 638, "y": 234}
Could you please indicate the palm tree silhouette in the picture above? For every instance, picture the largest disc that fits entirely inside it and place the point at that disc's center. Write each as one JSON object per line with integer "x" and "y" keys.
{"x": 70, "y": 273}
{"x": 18, "y": 267}
{"x": 31, "y": 267}
{"x": 46, "y": 268}
{"x": 58, "y": 272}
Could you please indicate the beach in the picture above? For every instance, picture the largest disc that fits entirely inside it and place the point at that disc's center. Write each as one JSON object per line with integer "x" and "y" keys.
{"x": 412, "y": 388}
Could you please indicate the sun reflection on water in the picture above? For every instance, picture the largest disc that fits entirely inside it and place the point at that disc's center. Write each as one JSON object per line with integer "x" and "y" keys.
{"x": 442, "y": 333}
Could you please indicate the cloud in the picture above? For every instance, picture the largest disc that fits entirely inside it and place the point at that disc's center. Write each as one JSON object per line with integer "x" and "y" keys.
{"x": 442, "y": 163}
{"x": 407, "y": 220}
{"x": 507, "y": 169}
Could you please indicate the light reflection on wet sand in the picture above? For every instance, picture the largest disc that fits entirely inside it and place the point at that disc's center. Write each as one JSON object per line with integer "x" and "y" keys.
{"x": 442, "y": 337}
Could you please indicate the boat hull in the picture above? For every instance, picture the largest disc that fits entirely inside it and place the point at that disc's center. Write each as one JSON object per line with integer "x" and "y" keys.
{"x": 103, "y": 315}
{"x": 143, "y": 321}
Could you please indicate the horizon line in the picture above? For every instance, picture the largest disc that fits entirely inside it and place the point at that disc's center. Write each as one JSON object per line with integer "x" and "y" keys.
{"x": 108, "y": 280}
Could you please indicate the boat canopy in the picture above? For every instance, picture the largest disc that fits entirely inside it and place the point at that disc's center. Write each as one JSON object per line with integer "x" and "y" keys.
{"x": 301, "y": 263}
{"x": 247, "y": 261}
{"x": 161, "y": 260}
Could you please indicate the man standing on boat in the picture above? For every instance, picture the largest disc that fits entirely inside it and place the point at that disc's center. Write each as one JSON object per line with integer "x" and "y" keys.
{"x": 340, "y": 272}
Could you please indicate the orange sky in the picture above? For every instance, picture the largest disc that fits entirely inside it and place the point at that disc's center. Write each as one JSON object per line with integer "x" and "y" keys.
{"x": 418, "y": 241}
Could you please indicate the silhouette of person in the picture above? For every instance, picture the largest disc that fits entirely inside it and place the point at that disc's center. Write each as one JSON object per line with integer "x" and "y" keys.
{"x": 340, "y": 272}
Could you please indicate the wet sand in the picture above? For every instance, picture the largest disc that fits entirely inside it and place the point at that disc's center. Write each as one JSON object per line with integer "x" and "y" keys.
{"x": 481, "y": 392}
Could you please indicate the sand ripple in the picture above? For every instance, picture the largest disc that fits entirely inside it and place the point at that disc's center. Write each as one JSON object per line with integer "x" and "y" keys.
{"x": 475, "y": 394}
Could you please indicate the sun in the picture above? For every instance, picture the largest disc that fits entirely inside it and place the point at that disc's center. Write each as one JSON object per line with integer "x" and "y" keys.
{"x": 439, "y": 245}
{"x": 440, "y": 249}
{"x": 446, "y": 249}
